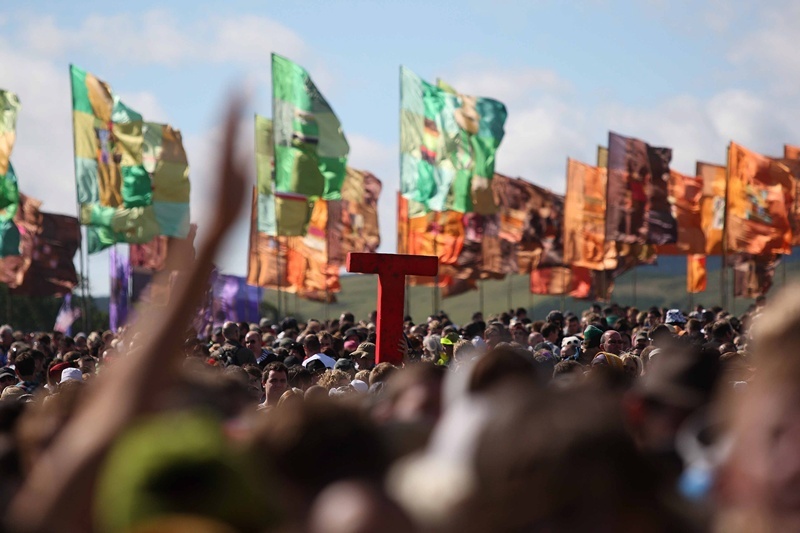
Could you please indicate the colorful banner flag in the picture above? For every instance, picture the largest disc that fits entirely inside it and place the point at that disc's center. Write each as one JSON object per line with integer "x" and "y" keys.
{"x": 712, "y": 205}
{"x": 696, "y": 274}
{"x": 235, "y": 300}
{"x": 67, "y": 315}
{"x": 585, "y": 217}
{"x": 639, "y": 210}
{"x": 9, "y": 190}
{"x": 164, "y": 158}
{"x": 791, "y": 152}
{"x": 760, "y": 195}
{"x": 448, "y": 143}
{"x": 354, "y": 224}
{"x": 555, "y": 281}
{"x": 310, "y": 148}
{"x": 267, "y": 260}
{"x": 687, "y": 193}
{"x": 114, "y": 189}
{"x": 753, "y": 275}
{"x": 48, "y": 244}
{"x": 791, "y": 159}
{"x": 308, "y": 269}
{"x": 120, "y": 274}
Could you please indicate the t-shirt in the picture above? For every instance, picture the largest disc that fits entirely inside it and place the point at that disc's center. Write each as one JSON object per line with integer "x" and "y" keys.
{"x": 327, "y": 360}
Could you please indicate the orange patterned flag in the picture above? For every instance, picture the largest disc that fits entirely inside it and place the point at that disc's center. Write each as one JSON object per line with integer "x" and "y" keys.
{"x": 686, "y": 193}
{"x": 791, "y": 158}
{"x": 712, "y": 205}
{"x": 696, "y": 275}
{"x": 760, "y": 194}
{"x": 554, "y": 281}
{"x": 791, "y": 152}
{"x": 585, "y": 216}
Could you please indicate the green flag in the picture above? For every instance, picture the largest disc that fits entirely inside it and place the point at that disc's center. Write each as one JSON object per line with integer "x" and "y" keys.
{"x": 114, "y": 189}
{"x": 9, "y": 191}
{"x": 448, "y": 143}
{"x": 310, "y": 147}
{"x": 164, "y": 158}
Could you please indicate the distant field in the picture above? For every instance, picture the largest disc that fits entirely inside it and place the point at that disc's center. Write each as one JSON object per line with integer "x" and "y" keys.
{"x": 663, "y": 285}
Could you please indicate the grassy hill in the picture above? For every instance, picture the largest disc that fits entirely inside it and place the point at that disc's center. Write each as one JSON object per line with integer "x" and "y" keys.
{"x": 663, "y": 285}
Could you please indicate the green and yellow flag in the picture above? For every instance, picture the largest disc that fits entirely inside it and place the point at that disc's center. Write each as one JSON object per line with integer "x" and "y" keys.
{"x": 448, "y": 144}
{"x": 9, "y": 191}
{"x": 114, "y": 189}
{"x": 310, "y": 148}
{"x": 164, "y": 158}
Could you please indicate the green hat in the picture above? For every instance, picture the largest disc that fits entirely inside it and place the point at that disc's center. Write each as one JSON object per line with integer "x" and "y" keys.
{"x": 449, "y": 339}
{"x": 591, "y": 336}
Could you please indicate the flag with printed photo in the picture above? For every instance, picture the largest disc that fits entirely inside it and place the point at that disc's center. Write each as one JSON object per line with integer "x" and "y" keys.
{"x": 687, "y": 194}
{"x": 712, "y": 204}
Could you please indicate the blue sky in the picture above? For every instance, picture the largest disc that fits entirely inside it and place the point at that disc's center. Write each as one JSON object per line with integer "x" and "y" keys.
{"x": 690, "y": 75}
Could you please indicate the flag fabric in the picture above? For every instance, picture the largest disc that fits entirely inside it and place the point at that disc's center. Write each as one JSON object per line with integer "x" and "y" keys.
{"x": 67, "y": 315}
{"x": 448, "y": 143}
{"x": 575, "y": 282}
{"x": 760, "y": 195}
{"x": 48, "y": 245}
{"x": 712, "y": 204}
{"x": 9, "y": 190}
{"x": 585, "y": 216}
{"x": 267, "y": 259}
{"x": 120, "y": 274}
{"x": 696, "y": 274}
{"x": 687, "y": 194}
{"x": 791, "y": 152}
{"x": 753, "y": 274}
{"x": 234, "y": 300}
{"x": 355, "y": 226}
{"x": 310, "y": 149}
{"x": 308, "y": 269}
{"x": 791, "y": 159}
{"x": 639, "y": 210}
{"x": 164, "y": 158}
{"x": 114, "y": 189}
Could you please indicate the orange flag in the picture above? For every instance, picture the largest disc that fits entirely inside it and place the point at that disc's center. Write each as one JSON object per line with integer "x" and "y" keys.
{"x": 760, "y": 194}
{"x": 585, "y": 216}
{"x": 791, "y": 158}
{"x": 712, "y": 205}
{"x": 687, "y": 193}
{"x": 554, "y": 281}
{"x": 696, "y": 275}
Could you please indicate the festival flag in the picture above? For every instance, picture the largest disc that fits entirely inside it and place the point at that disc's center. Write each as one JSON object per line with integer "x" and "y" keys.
{"x": 114, "y": 189}
{"x": 9, "y": 191}
{"x": 48, "y": 244}
{"x": 585, "y": 217}
{"x": 164, "y": 158}
{"x": 553, "y": 281}
{"x": 354, "y": 221}
{"x": 267, "y": 259}
{"x": 753, "y": 274}
{"x": 448, "y": 143}
{"x": 687, "y": 194}
{"x": 712, "y": 205}
{"x": 791, "y": 152}
{"x": 696, "y": 275}
{"x": 639, "y": 210}
{"x": 310, "y": 149}
{"x": 760, "y": 195}
{"x": 120, "y": 274}
{"x": 308, "y": 269}
{"x": 791, "y": 159}
{"x": 234, "y": 300}
{"x": 67, "y": 315}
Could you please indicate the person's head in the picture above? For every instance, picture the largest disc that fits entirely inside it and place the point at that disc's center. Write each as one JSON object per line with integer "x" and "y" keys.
{"x": 611, "y": 342}
{"x": 573, "y": 326}
{"x": 252, "y": 341}
{"x": 381, "y": 373}
{"x": 592, "y": 337}
{"x": 519, "y": 334}
{"x": 325, "y": 341}
{"x": 569, "y": 346}
{"x": 632, "y": 365}
{"x": 492, "y": 335}
{"x": 8, "y": 378}
{"x": 641, "y": 341}
{"x": 25, "y": 366}
{"x": 275, "y": 381}
{"x": 567, "y": 373}
{"x": 87, "y": 364}
{"x": 6, "y": 336}
{"x": 347, "y": 366}
{"x": 555, "y": 317}
{"x": 230, "y": 331}
{"x": 550, "y": 331}
{"x": 364, "y": 356}
{"x": 722, "y": 331}
{"x": 653, "y": 316}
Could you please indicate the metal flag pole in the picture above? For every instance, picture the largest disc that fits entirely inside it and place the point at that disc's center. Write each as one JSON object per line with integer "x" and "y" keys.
{"x": 635, "y": 279}
{"x": 690, "y": 275}
{"x": 723, "y": 275}
{"x": 480, "y": 295}
{"x": 509, "y": 287}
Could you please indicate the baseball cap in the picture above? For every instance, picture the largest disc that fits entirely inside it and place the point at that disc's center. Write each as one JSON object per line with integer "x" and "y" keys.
{"x": 344, "y": 364}
{"x": 7, "y": 373}
{"x": 71, "y": 374}
{"x": 674, "y": 316}
{"x": 570, "y": 341}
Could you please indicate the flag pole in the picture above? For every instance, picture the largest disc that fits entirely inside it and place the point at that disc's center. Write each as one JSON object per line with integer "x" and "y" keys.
{"x": 564, "y": 281}
{"x": 690, "y": 275}
{"x": 436, "y": 253}
{"x": 723, "y": 275}
{"x": 480, "y": 295}
{"x": 635, "y": 279}
{"x": 509, "y": 288}
{"x": 531, "y": 301}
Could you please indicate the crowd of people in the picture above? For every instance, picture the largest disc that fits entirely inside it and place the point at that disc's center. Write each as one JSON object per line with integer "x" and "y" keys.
{"x": 610, "y": 419}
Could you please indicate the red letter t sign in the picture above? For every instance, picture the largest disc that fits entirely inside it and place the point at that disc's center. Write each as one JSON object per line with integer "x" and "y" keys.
{"x": 392, "y": 270}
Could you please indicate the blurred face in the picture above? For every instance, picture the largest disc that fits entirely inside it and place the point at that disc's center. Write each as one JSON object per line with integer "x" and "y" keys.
{"x": 520, "y": 336}
{"x": 641, "y": 343}
{"x": 569, "y": 350}
{"x": 573, "y": 326}
{"x": 613, "y": 343}
{"x": 491, "y": 337}
{"x": 326, "y": 343}
{"x": 535, "y": 338}
{"x": 653, "y": 319}
{"x": 6, "y": 338}
{"x": 275, "y": 385}
{"x": 366, "y": 362}
{"x": 252, "y": 341}
{"x": 7, "y": 381}
{"x": 87, "y": 366}
{"x": 630, "y": 367}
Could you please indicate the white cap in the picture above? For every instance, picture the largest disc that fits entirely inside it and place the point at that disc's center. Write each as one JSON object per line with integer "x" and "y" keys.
{"x": 71, "y": 374}
{"x": 359, "y": 385}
